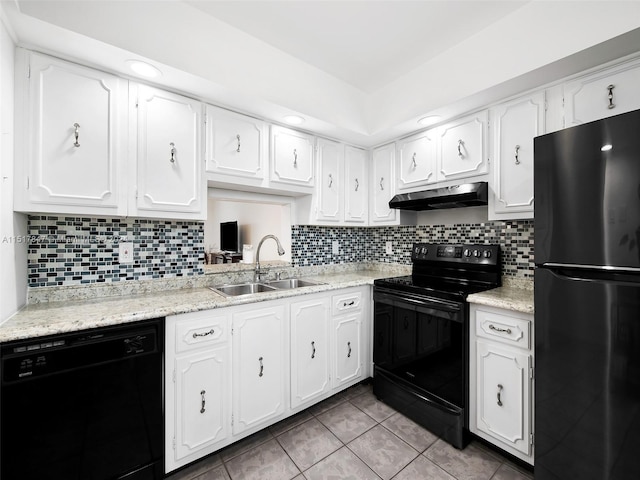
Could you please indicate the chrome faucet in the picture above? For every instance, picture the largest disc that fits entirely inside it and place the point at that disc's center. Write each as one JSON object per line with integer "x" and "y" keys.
{"x": 257, "y": 272}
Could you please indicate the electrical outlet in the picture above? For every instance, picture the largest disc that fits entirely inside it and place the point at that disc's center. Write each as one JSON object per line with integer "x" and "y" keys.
{"x": 388, "y": 248}
{"x": 335, "y": 247}
{"x": 125, "y": 252}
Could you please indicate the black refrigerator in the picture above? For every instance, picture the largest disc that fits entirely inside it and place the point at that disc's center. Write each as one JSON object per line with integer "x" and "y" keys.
{"x": 587, "y": 301}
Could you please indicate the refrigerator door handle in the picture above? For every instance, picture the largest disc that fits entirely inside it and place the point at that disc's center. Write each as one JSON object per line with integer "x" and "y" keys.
{"x": 602, "y": 268}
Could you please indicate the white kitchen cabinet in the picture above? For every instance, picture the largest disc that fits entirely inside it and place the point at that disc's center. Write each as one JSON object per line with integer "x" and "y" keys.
{"x": 292, "y": 159}
{"x": 198, "y": 386}
{"x": 236, "y": 147}
{"x": 349, "y": 337}
{"x": 383, "y": 184}
{"x": 330, "y": 195}
{"x": 310, "y": 350}
{"x": 260, "y": 369}
{"x": 463, "y": 147}
{"x": 602, "y": 94}
{"x": 170, "y": 169}
{"x": 356, "y": 186}
{"x": 515, "y": 124}
{"x": 501, "y": 379}
{"x": 416, "y": 160}
{"x": 71, "y": 130}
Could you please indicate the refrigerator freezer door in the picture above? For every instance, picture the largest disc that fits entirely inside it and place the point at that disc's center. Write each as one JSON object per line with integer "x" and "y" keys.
{"x": 587, "y": 378}
{"x": 587, "y": 207}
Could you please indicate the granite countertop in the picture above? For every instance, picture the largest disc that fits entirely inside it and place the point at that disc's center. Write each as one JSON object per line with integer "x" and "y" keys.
{"x": 514, "y": 296}
{"x": 49, "y": 318}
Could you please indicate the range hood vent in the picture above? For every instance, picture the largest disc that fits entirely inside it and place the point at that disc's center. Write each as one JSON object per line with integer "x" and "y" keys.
{"x": 455, "y": 196}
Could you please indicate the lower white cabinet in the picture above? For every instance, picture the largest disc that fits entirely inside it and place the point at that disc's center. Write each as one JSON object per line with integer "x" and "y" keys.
{"x": 348, "y": 348}
{"x": 501, "y": 379}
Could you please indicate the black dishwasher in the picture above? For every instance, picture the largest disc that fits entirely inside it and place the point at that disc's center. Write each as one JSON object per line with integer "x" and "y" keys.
{"x": 86, "y": 405}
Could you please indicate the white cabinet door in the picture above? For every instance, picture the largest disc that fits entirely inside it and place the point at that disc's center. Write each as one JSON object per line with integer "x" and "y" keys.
{"x": 463, "y": 148}
{"x": 503, "y": 395}
{"x": 330, "y": 177}
{"x": 348, "y": 348}
{"x": 515, "y": 124}
{"x": 202, "y": 410}
{"x": 259, "y": 366}
{"x": 292, "y": 158}
{"x": 74, "y": 140}
{"x": 356, "y": 205}
{"x": 236, "y": 145}
{"x": 416, "y": 160}
{"x": 170, "y": 172}
{"x": 602, "y": 94}
{"x": 382, "y": 185}
{"x": 310, "y": 350}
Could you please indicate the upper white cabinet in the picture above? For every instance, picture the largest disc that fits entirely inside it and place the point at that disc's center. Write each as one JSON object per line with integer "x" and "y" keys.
{"x": 382, "y": 185}
{"x": 170, "y": 171}
{"x": 71, "y": 128}
{"x": 330, "y": 197}
{"x": 463, "y": 147}
{"x": 292, "y": 159}
{"x": 602, "y": 94}
{"x": 236, "y": 147}
{"x": 416, "y": 160}
{"x": 514, "y": 125}
{"x": 356, "y": 187}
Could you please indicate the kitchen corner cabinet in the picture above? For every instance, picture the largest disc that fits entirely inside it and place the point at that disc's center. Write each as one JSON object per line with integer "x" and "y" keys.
{"x": 198, "y": 385}
{"x": 236, "y": 147}
{"x": 501, "y": 379}
{"x": 514, "y": 125}
{"x": 463, "y": 147}
{"x": 292, "y": 159}
{"x": 71, "y": 130}
{"x": 602, "y": 94}
{"x": 260, "y": 367}
{"x": 330, "y": 195}
{"x": 169, "y": 164}
{"x": 416, "y": 160}
{"x": 356, "y": 187}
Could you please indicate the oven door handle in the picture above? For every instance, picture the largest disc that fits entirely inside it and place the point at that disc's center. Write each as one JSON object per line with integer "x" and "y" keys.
{"x": 427, "y": 305}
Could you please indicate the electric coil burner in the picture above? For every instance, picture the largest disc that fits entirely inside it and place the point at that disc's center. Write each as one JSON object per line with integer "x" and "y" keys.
{"x": 421, "y": 334}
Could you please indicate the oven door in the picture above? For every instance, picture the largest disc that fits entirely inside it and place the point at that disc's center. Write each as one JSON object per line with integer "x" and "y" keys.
{"x": 420, "y": 357}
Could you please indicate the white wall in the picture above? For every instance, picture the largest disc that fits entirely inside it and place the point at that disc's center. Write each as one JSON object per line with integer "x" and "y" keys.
{"x": 255, "y": 220}
{"x": 13, "y": 255}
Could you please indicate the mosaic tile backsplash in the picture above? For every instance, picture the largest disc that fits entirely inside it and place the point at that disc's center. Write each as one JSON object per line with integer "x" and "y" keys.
{"x": 78, "y": 250}
{"x": 312, "y": 245}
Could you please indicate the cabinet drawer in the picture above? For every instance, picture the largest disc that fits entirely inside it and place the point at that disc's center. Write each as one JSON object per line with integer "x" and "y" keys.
{"x": 347, "y": 302}
{"x": 202, "y": 330}
{"x": 506, "y": 329}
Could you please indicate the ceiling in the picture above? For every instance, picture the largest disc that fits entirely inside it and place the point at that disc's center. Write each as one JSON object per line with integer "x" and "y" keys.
{"x": 367, "y": 44}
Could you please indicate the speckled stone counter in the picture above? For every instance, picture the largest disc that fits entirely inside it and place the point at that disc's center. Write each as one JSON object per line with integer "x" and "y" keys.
{"x": 53, "y": 317}
{"x": 513, "y": 295}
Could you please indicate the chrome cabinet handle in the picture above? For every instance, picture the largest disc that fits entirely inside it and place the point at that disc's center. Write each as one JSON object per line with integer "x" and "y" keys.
{"x": 238, "y": 138}
{"x": 261, "y": 367}
{"x": 330, "y": 180}
{"x": 351, "y": 303}
{"x": 313, "y": 348}
{"x": 357, "y": 184}
{"x": 76, "y": 133}
{"x": 196, "y": 335}
{"x": 517, "y": 153}
{"x": 381, "y": 185}
{"x": 498, "y": 329}
{"x": 202, "y": 392}
{"x": 413, "y": 159}
{"x": 295, "y": 157}
{"x": 460, "y": 145}
{"x": 173, "y": 152}
{"x": 610, "y": 96}
{"x": 349, "y": 346}
{"x": 499, "y": 391}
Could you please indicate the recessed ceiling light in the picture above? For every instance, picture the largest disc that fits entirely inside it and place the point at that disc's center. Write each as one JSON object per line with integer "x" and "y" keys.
{"x": 144, "y": 69}
{"x": 429, "y": 120}
{"x": 293, "y": 119}
{"x": 607, "y": 147}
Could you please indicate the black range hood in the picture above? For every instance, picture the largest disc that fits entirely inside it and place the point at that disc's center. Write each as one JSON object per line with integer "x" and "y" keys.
{"x": 455, "y": 196}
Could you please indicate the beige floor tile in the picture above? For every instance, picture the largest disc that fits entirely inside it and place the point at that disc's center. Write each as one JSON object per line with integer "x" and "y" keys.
{"x": 342, "y": 464}
{"x": 264, "y": 462}
{"x": 472, "y": 463}
{"x": 415, "y": 435}
{"x": 309, "y": 443}
{"x": 423, "y": 469}
{"x": 346, "y": 421}
{"x": 245, "y": 444}
{"x": 370, "y": 405}
{"x": 507, "y": 472}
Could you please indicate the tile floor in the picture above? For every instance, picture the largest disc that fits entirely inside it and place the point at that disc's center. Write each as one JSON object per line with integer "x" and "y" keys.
{"x": 351, "y": 436}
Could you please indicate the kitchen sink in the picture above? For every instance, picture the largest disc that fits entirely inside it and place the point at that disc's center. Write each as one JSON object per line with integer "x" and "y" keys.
{"x": 272, "y": 286}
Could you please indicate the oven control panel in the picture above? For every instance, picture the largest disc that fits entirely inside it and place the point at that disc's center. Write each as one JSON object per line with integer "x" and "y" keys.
{"x": 458, "y": 253}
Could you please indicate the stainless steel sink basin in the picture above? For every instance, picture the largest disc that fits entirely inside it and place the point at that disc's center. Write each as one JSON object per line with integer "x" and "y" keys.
{"x": 243, "y": 289}
{"x": 291, "y": 283}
